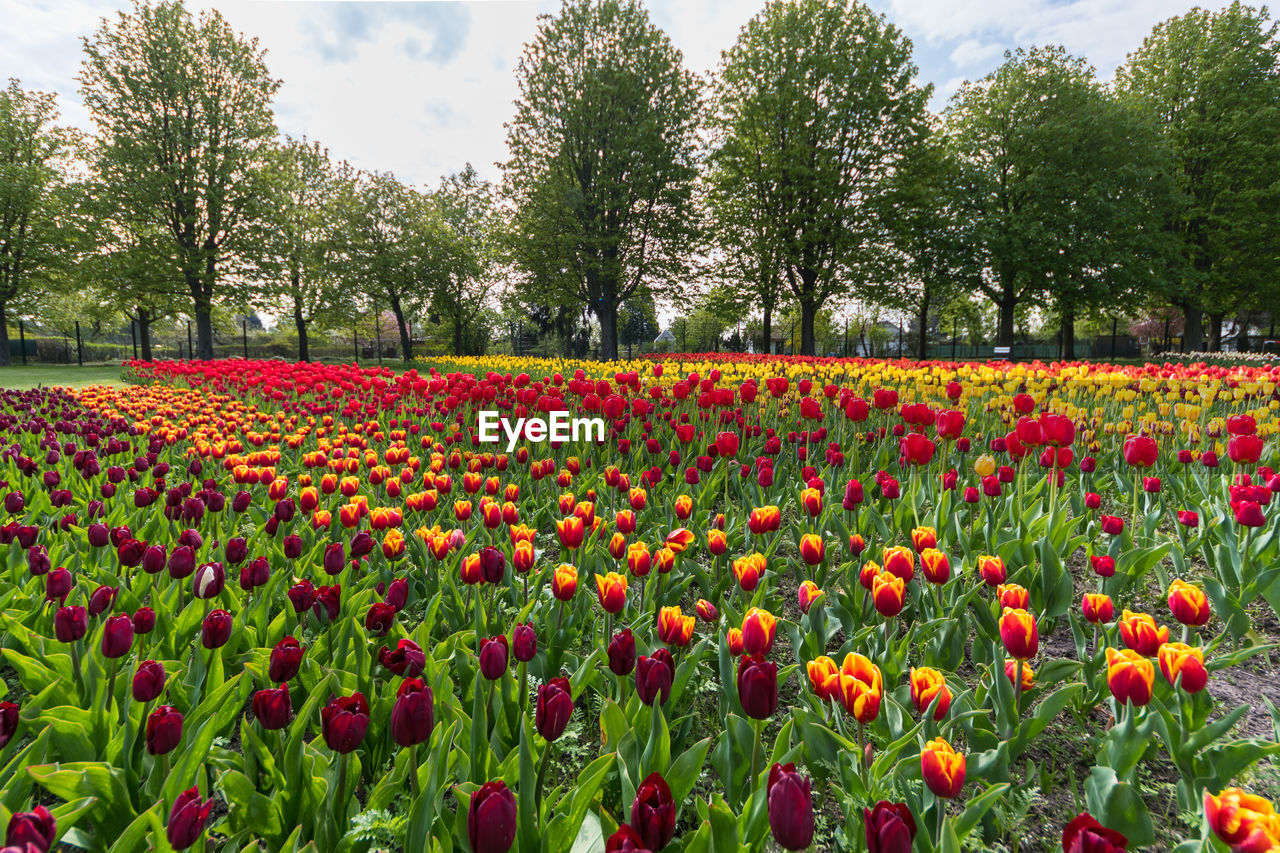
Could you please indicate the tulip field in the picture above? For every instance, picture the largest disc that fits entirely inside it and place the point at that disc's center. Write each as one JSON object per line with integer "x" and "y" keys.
{"x": 785, "y": 604}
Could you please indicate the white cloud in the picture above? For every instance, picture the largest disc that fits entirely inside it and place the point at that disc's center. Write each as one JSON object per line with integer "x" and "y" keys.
{"x": 421, "y": 88}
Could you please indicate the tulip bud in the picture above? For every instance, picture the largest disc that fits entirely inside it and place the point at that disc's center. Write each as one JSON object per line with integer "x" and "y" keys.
{"x": 653, "y": 812}
{"x": 285, "y": 660}
{"x": 413, "y": 714}
{"x": 491, "y": 819}
{"x": 493, "y": 657}
{"x": 524, "y": 642}
{"x": 654, "y": 676}
{"x": 148, "y": 681}
{"x": 790, "y": 804}
{"x": 622, "y": 653}
{"x": 187, "y": 819}
{"x": 554, "y": 706}
{"x": 272, "y": 708}
{"x": 164, "y": 730}
{"x": 34, "y": 830}
{"x": 344, "y": 722}
{"x": 70, "y": 624}
{"x": 117, "y": 636}
{"x": 216, "y": 629}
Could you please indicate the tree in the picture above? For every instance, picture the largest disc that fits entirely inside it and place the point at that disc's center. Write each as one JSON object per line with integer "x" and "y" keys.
{"x": 923, "y": 215}
{"x": 604, "y": 153}
{"x": 637, "y": 323}
{"x": 295, "y": 258}
{"x": 183, "y": 111}
{"x": 389, "y": 244}
{"x": 34, "y": 154}
{"x": 466, "y": 256}
{"x": 1055, "y": 180}
{"x": 1211, "y": 83}
{"x": 816, "y": 107}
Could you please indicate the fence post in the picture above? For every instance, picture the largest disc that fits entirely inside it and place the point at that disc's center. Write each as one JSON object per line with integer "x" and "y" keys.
{"x": 191, "y": 348}
{"x": 244, "y": 337}
{"x": 133, "y": 336}
{"x": 79, "y": 346}
{"x": 22, "y": 340}
{"x": 955, "y": 332}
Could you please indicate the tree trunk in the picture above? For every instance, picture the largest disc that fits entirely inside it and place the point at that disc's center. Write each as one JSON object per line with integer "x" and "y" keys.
{"x": 807, "y": 315}
{"x": 1215, "y": 333}
{"x": 1242, "y": 331}
{"x": 144, "y": 332}
{"x": 406, "y": 346}
{"x": 1068, "y": 333}
{"x": 204, "y": 332}
{"x": 922, "y": 333}
{"x": 768, "y": 328}
{"x": 4, "y": 335}
{"x": 457, "y": 335}
{"x": 1193, "y": 331}
{"x": 304, "y": 348}
{"x": 1005, "y": 333}
{"x": 606, "y": 310}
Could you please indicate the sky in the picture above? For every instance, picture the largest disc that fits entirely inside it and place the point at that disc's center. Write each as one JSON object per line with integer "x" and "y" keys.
{"x": 421, "y": 88}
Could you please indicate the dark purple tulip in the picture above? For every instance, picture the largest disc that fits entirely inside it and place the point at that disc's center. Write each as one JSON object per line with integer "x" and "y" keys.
{"x": 38, "y": 562}
{"x": 790, "y": 807}
{"x": 70, "y": 624}
{"x": 8, "y": 722}
{"x": 328, "y": 602}
{"x": 286, "y": 659}
{"x": 241, "y": 502}
{"x": 493, "y": 656}
{"x": 154, "y": 559}
{"x": 397, "y": 593}
{"x": 216, "y": 629}
{"x": 255, "y": 573}
{"x": 554, "y": 707}
{"x": 654, "y": 676}
{"x": 335, "y": 558}
{"x": 182, "y": 562}
{"x": 653, "y": 813}
{"x": 491, "y": 819}
{"x": 101, "y": 599}
{"x": 758, "y": 686}
{"x": 164, "y": 729}
{"x": 890, "y": 828}
{"x": 187, "y": 819}
{"x": 292, "y": 547}
{"x": 344, "y": 722}
{"x": 130, "y": 552}
{"x": 413, "y": 715}
{"x": 361, "y": 544}
{"x": 302, "y": 595}
{"x": 148, "y": 681}
{"x": 625, "y": 840}
{"x": 209, "y": 580}
{"x": 524, "y": 642}
{"x": 25, "y": 535}
{"x": 493, "y": 565}
{"x": 407, "y": 659}
{"x": 191, "y": 538}
{"x": 271, "y": 707}
{"x": 144, "y": 620}
{"x": 99, "y": 535}
{"x": 143, "y": 497}
{"x": 36, "y": 828}
{"x": 285, "y": 510}
{"x": 58, "y": 584}
{"x": 117, "y": 636}
{"x": 14, "y": 503}
{"x": 236, "y": 550}
{"x": 622, "y": 653}
{"x": 120, "y": 535}
{"x": 379, "y": 618}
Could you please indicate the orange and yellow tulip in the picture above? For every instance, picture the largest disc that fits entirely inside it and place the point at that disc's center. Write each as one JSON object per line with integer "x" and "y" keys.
{"x": 1130, "y": 676}
{"x": 612, "y": 589}
{"x": 943, "y": 768}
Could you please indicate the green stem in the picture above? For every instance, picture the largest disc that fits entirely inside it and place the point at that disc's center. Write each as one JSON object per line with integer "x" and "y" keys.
{"x": 542, "y": 774}
{"x": 758, "y": 725}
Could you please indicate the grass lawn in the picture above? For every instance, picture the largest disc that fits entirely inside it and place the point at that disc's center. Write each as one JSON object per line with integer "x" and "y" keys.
{"x": 68, "y": 375}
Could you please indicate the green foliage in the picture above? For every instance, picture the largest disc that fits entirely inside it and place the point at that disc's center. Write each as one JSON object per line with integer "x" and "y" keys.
{"x": 183, "y": 111}
{"x": 604, "y": 149}
{"x": 815, "y": 106}
{"x": 1210, "y": 83}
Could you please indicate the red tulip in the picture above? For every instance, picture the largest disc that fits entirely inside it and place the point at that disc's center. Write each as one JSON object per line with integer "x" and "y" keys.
{"x": 491, "y": 819}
